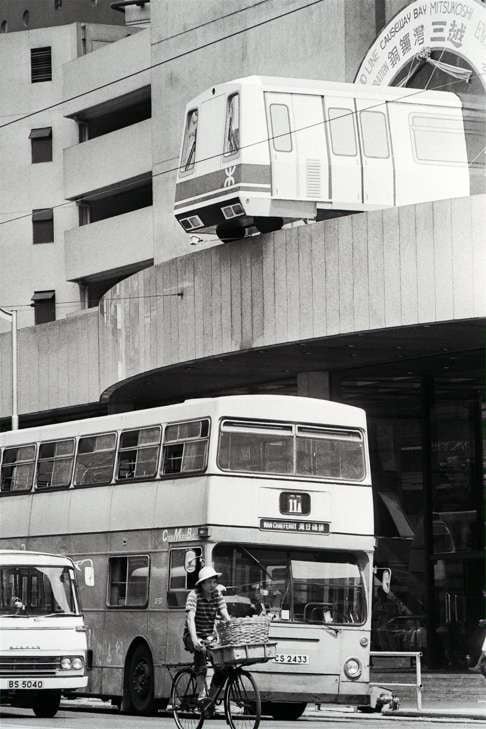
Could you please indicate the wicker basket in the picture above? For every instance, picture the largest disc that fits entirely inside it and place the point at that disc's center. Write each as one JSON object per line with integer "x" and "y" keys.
{"x": 243, "y": 631}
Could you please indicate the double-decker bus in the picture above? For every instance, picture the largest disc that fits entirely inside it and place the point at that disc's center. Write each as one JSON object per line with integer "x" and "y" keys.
{"x": 274, "y": 491}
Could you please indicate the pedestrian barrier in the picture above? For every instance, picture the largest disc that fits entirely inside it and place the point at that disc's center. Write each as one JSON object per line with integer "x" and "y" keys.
{"x": 417, "y": 655}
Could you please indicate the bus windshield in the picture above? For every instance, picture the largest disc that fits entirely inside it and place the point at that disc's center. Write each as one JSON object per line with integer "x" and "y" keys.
{"x": 36, "y": 590}
{"x": 300, "y": 586}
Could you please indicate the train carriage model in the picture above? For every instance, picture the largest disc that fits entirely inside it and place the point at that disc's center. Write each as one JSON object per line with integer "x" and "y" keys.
{"x": 259, "y": 152}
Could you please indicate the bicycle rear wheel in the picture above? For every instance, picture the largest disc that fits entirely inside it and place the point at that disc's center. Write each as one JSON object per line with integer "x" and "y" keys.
{"x": 242, "y": 703}
{"x": 184, "y": 700}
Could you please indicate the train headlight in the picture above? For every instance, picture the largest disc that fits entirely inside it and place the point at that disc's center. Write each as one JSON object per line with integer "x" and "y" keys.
{"x": 353, "y": 668}
{"x": 77, "y": 663}
{"x": 66, "y": 663}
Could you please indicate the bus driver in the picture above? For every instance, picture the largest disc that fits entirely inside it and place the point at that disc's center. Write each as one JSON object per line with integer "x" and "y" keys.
{"x": 202, "y": 606}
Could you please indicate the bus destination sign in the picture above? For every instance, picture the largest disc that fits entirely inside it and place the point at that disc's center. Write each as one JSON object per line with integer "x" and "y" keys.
{"x": 288, "y": 525}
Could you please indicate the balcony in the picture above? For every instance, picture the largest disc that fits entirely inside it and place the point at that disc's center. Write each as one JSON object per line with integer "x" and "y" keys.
{"x": 111, "y": 159}
{"x": 124, "y": 242}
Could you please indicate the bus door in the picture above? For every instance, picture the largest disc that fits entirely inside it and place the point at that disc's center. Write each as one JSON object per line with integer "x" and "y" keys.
{"x": 376, "y": 148}
{"x": 344, "y": 152}
{"x": 311, "y": 145}
{"x": 283, "y": 150}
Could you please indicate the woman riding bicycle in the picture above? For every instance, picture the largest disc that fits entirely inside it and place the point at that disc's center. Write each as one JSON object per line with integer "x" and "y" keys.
{"x": 202, "y": 606}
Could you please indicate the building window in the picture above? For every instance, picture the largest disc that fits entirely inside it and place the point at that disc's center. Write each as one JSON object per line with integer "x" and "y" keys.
{"x": 3, "y": 26}
{"x": 129, "y": 581}
{"x": 43, "y": 225}
{"x": 41, "y": 143}
{"x": 57, "y": 4}
{"x": 44, "y": 303}
{"x": 40, "y": 64}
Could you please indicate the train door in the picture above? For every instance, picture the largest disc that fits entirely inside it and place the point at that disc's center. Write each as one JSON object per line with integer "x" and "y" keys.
{"x": 376, "y": 149}
{"x": 344, "y": 152}
{"x": 283, "y": 152}
{"x": 311, "y": 145}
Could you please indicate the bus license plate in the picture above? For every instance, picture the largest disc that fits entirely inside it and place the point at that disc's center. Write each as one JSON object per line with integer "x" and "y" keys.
{"x": 288, "y": 658}
{"x": 25, "y": 684}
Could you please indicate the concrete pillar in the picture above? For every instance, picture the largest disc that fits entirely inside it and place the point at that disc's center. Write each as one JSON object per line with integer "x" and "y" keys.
{"x": 314, "y": 384}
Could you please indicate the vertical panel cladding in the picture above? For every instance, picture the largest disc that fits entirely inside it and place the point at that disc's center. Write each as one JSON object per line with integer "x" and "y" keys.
{"x": 203, "y": 270}
{"x": 391, "y": 262}
{"x": 293, "y": 289}
{"x": 442, "y": 232}
{"x": 376, "y": 267}
{"x": 235, "y": 296}
{"x": 280, "y": 263}
{"x": 408, "y": 264}
{"x": 216, "y": 303}
{"x": 257, "y": 287}
{"x": 304, "y": 243}
{"x": 246, "y": 298}
{"x": 478, "y": 237}
{"x": 225, "y": 258}
{"x": 322, "y": 289}
{"x": 462, "y": 258}
{"x": 425, "y": 263}
{"x": 187, "y": 328}
{"x": 268, "y": 267}
{"x": 360, "y": 272}
{"x": 345, "y": 274}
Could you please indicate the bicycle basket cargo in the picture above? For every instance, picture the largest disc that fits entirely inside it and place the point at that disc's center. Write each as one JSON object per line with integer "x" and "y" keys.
{"x": 244, "y": 631}
{"x": 243, "y": 654}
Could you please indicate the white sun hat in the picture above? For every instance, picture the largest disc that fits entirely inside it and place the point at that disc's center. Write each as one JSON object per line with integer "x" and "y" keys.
{"x": 206, "y": 573}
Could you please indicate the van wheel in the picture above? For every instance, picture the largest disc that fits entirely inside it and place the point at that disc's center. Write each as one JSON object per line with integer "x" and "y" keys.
{"x": 46, "y": 704}
{"x": 287, "y": 712}
{"x": 138, "y": 697}
{"x": 268, "y": 225}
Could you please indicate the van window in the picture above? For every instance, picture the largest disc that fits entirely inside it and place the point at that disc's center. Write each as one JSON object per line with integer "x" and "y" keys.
{"x": 438, "y": 139}
{"x": 343, "y": 132}
{"x": 55, "y": 464}
{"x": 95, "y": 459}
{"x": 281, "y": 135}
{"x": 232, "y": 126}
{"x": 17, "y": 469}
{"x": 375, "y": 136}
{"x": 189, "y": 146}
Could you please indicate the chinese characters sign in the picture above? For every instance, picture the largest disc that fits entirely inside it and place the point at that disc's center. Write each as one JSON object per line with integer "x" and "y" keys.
{"x": 458, "y": 26}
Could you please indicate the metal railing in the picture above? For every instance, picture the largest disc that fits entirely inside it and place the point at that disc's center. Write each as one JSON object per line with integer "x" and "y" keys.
{"x": 417, "y": 655}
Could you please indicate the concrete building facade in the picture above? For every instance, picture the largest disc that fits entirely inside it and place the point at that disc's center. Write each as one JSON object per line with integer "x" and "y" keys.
{"x": 385, "y": 310}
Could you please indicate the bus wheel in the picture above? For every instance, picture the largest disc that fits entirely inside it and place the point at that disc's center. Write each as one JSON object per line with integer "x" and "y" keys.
{"x": 46, "y": 704}
{"x": 287, "y": 712}
{"x": 228, "y": 232}
{"x": 139, "y": 683}
{"x": 268, "y": 225}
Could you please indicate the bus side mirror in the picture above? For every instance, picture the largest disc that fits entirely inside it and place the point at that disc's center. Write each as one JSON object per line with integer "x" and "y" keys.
{"x": 89, "y": 578}
{"x": 386, "y": 580}
{"x": 190, "y": 561}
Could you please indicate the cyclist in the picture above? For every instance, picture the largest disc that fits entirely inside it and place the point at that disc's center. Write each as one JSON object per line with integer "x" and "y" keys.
{"x": 202, "y": 606}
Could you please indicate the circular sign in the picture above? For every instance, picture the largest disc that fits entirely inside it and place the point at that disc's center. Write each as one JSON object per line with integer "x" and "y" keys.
{"x": 454, "y": 28}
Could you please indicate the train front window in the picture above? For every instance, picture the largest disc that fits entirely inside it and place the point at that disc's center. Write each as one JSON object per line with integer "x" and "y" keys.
{"x": 301, "y": 586}
{"x": 189, "y": 145}
{"x": 35, "y": 590}
{"x": 232, "y": 126}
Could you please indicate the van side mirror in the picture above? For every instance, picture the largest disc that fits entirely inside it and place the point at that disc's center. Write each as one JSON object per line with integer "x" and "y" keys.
{"x": 89, "y": 578}
{"x": 386, "y": 580}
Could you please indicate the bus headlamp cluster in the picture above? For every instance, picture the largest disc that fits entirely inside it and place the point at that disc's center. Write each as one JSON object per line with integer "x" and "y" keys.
{"x": 353, "y": 668}
{"x": 72, "y": 663}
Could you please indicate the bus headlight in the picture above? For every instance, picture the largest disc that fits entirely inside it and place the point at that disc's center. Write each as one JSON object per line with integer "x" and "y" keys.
{"x": 353, "y": 668}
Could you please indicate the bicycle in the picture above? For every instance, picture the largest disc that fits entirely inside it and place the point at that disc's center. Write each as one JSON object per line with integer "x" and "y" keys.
{"x": 239, "y": 694}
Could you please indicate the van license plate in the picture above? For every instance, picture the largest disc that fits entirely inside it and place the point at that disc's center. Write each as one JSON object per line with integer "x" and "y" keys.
{"x": 288, "y": 658}
{"x": 30, "y": 683}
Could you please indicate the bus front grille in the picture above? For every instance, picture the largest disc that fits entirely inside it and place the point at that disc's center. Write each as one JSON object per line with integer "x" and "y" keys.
{"x": 29, "y": 665}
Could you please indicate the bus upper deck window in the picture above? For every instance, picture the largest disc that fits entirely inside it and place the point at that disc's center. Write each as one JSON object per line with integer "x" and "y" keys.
{"x": 185, "y": 447}
{"x": 281, "y": 133}
{"x": 375, "y": 136}
{"x": 138, "y": 453}
{"x": 55, "y": 464}
{"x": 343, "y": 133}
{"x": 259, "y": 447}
{"x": 17, "y": 469}
{"x": 232, "y": 126}
{"x": 330, "y": 453}
{"x": 190, "y": 138}
{"x": 95, "y": 459}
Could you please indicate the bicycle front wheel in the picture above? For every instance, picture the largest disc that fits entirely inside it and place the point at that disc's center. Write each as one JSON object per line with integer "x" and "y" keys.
{"x": 184, "y": 701}
{"x": 242, "y": 703}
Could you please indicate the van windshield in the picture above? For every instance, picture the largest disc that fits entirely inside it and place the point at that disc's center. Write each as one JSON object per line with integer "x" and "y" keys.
{"x": 302, "y": 586}
{"x": 27, "y": 590}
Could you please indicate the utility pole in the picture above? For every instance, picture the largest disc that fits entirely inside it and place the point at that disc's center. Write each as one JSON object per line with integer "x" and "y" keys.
{"x": 11, "y": 316}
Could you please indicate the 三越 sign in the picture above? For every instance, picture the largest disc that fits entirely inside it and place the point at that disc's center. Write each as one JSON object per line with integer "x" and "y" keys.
{"x": 458, "y": 26}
